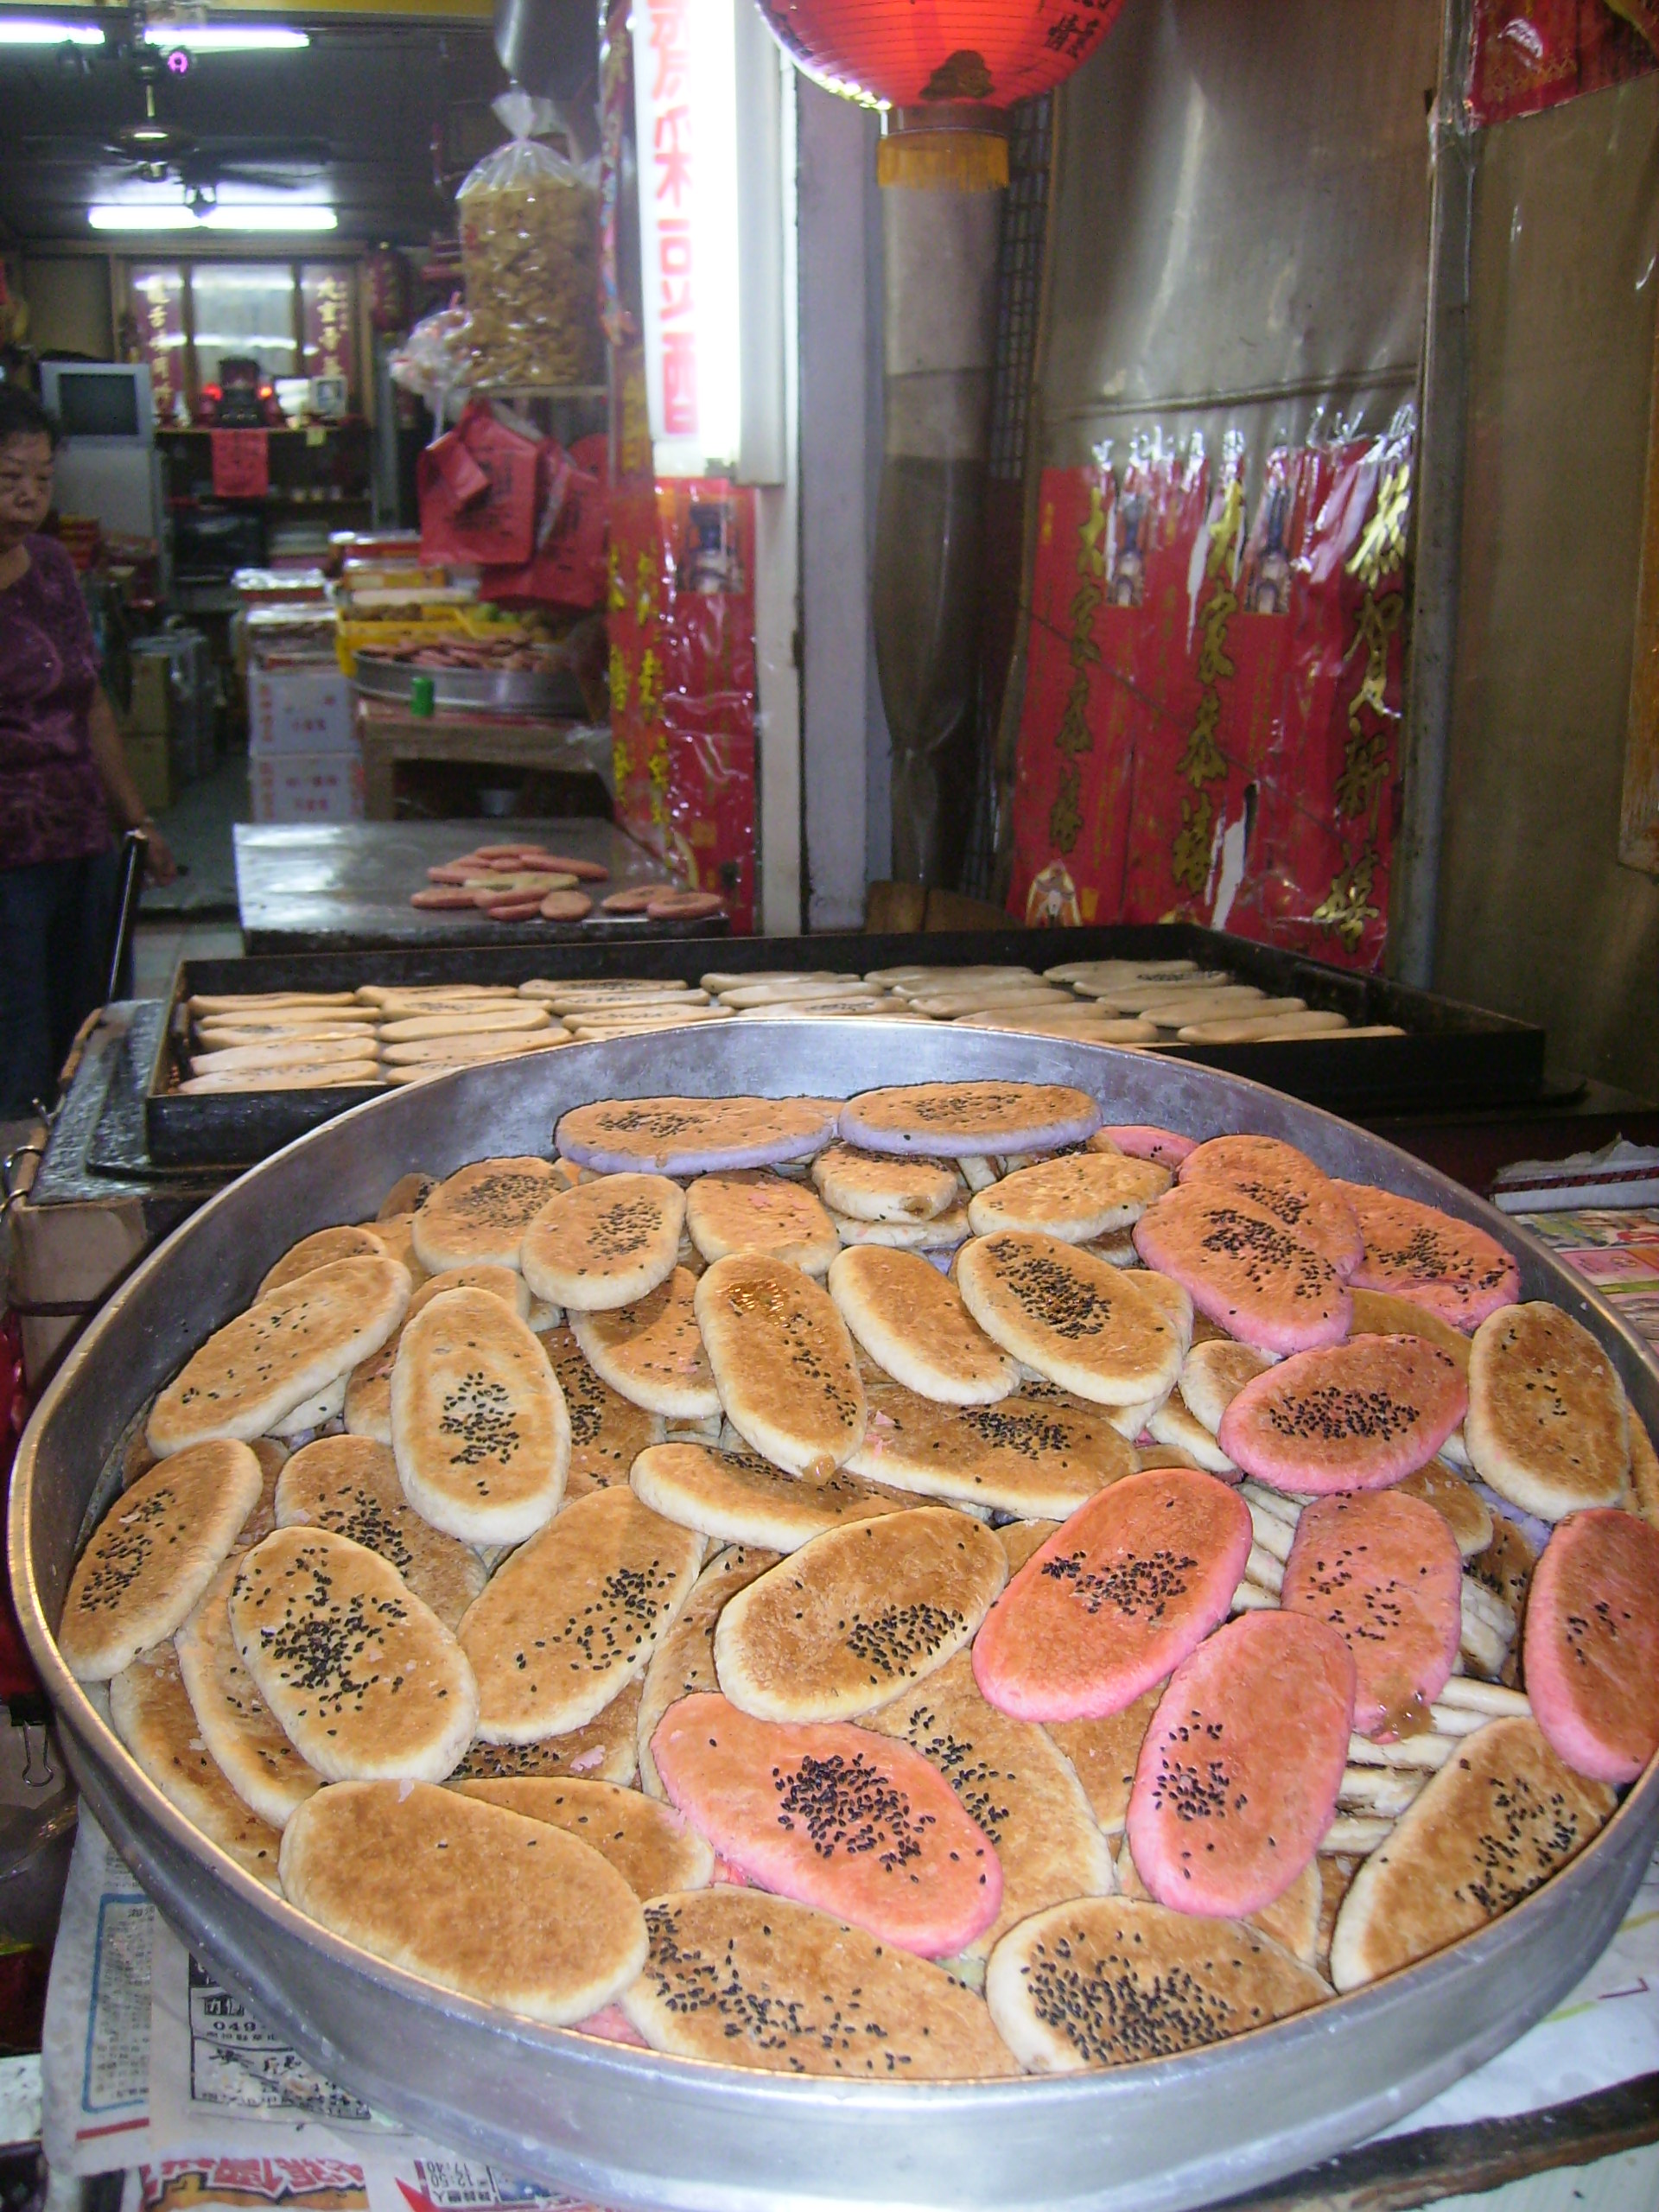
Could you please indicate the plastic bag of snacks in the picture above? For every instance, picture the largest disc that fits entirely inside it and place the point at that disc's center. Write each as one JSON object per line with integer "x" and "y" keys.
{"x": 435, "y": 357}
{"x": 530, "y": 246}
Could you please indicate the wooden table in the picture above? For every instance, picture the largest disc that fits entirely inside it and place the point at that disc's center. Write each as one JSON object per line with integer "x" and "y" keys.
{"x": 456, "y": 736}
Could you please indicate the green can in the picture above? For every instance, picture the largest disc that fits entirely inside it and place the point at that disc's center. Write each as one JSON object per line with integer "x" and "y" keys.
{"x": 422, "y": 695}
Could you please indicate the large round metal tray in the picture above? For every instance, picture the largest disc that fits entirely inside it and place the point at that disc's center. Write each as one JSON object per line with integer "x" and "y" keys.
{"x": 630, "y": 2128}
{"x": 490, "y": 690}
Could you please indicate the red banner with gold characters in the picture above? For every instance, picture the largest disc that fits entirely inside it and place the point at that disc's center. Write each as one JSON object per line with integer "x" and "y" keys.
{"x": 1526, "y": 55}
{"x": 683, "y": 679}
{"x": 1211, "y": 719}
{"x": 157, "y": 297}
{"x": 326, "y": 302}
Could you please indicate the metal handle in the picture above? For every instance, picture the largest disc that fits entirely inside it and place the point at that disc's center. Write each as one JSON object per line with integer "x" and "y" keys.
{"x": 134, "y": 858}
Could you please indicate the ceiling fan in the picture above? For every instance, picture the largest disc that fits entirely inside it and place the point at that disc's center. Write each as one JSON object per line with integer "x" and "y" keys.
{"x": 152, "y": 148}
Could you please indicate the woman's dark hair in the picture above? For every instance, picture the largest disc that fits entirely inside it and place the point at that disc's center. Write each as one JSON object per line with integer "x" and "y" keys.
{"x": 21, "y": 415}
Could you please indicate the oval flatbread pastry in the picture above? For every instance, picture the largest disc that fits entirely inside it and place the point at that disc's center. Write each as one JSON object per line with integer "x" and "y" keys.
{"x": 365, "y": 1681}
{"x": 739, "y": 1979}
{"x": 1239, "y": 1773}
{"x": 783, "y": 1362}
{"x": 1121, "y": 1593}
{"x": 608, "y": 1433}
{"x": 1092, "y": 1328}
{"x": 858, "y": 1615}
{"x": 1385, "y": 1571}
{"x": 1500, "y": 1817}
{"x": 1036, "y": 1457}
{"x": 505, "y": 1910}
{"x": 604, "y": 1749}
{"x": 1456, "y": 1271}
{"x": 754, "y": 1210}
{"x": 605, "y": 1243}
{"x": 870, "y": 1186}
{"x": 1104, "y": 1753}
{"x": 1355, "y": 1416}
{"x": 1212, "y": 1375}
{"x": 152, "y": 1554}
{"x": 479, "y": 1424}
{"x": 367, "y": 1406}
{"x": 153, "y": 1718}
{"x": 1243, "y": 1269}
{"x": 1458, "y": 1503}
{"x": 1077, "y": 1197}
{"x": 736, "y": 1498}
{"x": 950, "y": 1119}
{"x": 1090, "y": 1983}
{"x": 1592, "y": 1647}
{"x": 1286, "y": 1184}
{"x": 239, "y": 1730}
{"x": 684, "y": 1660}
{"x": 652, "y": 1352}
{"x": 281, "y": 1352}
{"x": 834, "y": 1816}
{"x": 911, "y": 1321}
{"x": 695, "y": 1136}
{"x": 650, "y": 1847}
{"x": 1020, "y": 1788}
{"x": 318, "y": 1249}
{"x": 481, "y": 1211}
{"x": 1548, "y": 1427}
{"x": 575, "y": 1614}
{"x": 349, "y": 1483}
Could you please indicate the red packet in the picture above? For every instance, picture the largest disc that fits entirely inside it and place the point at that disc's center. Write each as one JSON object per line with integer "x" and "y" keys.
{"x": 241, "y": 464}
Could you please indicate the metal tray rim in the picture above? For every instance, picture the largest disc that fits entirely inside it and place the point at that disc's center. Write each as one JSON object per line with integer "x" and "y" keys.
{"x": 101, "y": 1760}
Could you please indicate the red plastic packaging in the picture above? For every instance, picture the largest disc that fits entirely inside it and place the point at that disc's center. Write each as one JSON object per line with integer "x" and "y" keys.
{"x": 1212, "y": 712}
{"x": 683, "y": 680}
{"x": 477, "y": 489}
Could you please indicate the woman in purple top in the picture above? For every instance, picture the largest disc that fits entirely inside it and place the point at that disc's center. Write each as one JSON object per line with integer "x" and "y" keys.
{"x": 62, "y": 775}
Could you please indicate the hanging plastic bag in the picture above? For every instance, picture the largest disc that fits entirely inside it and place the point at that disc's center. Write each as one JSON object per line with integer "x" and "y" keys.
{"x": 530, "y": 247}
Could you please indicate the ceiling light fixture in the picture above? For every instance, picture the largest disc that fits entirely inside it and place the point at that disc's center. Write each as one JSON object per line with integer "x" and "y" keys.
{"x": 172, "y": 215}
{"x": 47, "y": 30}
{"x": 197, "y": 38}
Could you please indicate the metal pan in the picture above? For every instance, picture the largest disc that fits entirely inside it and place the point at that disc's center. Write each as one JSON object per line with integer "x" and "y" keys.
{"x": 486, "y": 690}
{"x": 627, "y": 2127}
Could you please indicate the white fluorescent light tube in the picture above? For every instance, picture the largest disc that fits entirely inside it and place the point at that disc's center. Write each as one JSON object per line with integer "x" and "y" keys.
{"x": 136, "y": 215}
{"x": 133, "y": 215}
{"x": 45, "y": 30}
{"x": 303, "y": 215}
{"x": 222, "y": 38}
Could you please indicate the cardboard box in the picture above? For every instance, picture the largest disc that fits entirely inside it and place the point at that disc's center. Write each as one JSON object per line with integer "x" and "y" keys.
{"x": 152, "y": 694}
{"x": 305, "y": 709}
{"x": 307, "y": 786}
{"x": 149, "y": 759}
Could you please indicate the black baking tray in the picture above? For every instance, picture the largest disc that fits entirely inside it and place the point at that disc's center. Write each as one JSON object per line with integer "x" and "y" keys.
{"x": 1453, "y": 1058}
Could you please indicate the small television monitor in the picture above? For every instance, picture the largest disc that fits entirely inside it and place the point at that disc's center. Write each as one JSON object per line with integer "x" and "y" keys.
{"x": 110, "y": 401}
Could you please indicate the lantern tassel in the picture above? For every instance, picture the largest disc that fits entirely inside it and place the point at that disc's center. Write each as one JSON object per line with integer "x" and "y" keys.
{"x": 953, "y": 160}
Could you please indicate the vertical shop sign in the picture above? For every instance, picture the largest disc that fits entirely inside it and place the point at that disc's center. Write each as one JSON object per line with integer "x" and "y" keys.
{"x": 326, "y": 303}
{"x": 158, "y": 315}
{"x": 685, "y": 118}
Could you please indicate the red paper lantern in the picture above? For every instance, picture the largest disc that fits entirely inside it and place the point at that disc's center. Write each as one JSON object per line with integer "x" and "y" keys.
{"x": 925, "y": 60}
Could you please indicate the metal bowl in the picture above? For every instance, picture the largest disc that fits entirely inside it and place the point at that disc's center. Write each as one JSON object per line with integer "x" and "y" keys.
{"x": 628, "y": 2127}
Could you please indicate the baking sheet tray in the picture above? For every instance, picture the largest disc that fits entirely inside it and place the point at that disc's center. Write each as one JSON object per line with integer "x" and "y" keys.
{"x": 489, "y": 690}
{"x": 1455, "y": 1056}
{"x": 342, "y": 887}
{"x": 625, "y": 2128}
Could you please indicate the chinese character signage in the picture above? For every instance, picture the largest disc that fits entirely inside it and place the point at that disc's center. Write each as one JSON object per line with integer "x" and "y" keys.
{"x": 326, "y": 304}
{"x": 685, "y": 124}
{"x": 1212, "y": 720}
{"x": 158, "y": 318}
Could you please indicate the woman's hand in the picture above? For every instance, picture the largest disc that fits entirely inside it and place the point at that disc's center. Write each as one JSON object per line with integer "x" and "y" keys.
{"x": 159, "y": 863}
